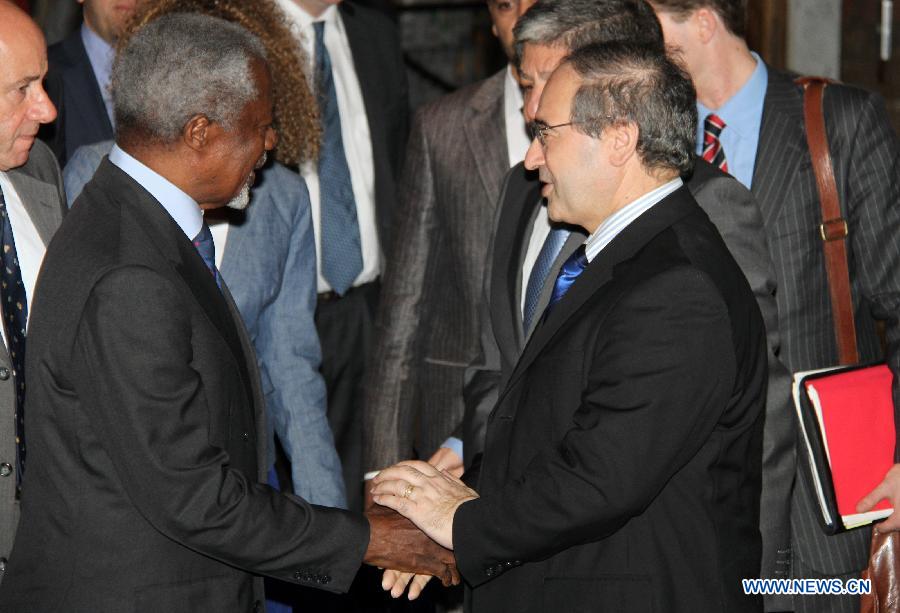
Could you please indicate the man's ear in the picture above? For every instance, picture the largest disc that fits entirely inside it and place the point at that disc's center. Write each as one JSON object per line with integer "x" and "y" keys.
{"x": 623, "y": 138}
{"x": 706, "y": 23}
{"x": 198, "y": 132}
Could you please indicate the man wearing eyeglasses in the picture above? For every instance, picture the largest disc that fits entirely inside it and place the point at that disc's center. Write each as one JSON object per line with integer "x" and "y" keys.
{"x": 521, "y": 277}
{"x": 623, "y": 459}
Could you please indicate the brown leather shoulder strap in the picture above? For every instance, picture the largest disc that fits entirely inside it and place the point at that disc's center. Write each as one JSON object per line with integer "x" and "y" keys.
{"x": 833, "y": 230}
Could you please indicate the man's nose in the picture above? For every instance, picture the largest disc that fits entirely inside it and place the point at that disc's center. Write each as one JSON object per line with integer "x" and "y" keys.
{"x": 534, "y": 157}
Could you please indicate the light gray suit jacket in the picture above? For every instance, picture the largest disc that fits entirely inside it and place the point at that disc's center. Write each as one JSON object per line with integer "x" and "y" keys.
{"x": 39, "y": 185}
{"x": 427, "y": 329}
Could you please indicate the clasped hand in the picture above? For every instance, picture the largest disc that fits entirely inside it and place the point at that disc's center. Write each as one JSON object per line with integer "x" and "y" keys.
{"x": 429, "y": 498}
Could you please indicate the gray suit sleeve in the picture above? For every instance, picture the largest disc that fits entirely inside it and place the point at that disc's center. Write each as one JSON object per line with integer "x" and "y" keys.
{"x": 734, "y": 211}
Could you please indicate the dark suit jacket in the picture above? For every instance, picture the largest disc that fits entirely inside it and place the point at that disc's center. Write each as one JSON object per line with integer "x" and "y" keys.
{"x": 146, "y": 474}
{"x": 866, "y": 159}
{"x": 427, "y": 326}
{"x": 39, "y": 186}
{"x": 378, "y": 60}
{"x": 622, "y": 464}
{"x": 73, "y": 88}
{"x": 736, "y": 215}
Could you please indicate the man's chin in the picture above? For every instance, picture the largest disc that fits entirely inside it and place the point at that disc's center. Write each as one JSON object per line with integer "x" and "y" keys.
{"x": 240, "y": 202}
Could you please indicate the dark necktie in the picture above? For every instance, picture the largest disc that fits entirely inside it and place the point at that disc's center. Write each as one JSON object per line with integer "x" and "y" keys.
{"x": 712, "y": 146}
{"x": 341, "y": 248}
{"x": 207, "y": 250}
{"x": 15, "y": 319}
{"x": 570, "y": 270}
{"x": 552, "y": 246}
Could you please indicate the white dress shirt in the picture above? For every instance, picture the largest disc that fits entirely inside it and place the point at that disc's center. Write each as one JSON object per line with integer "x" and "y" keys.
{"x": 354, "y": 132}
{"x": 30, "y": 249}
{"x": 517, "y": 141}
{"x": 613, "y": 225}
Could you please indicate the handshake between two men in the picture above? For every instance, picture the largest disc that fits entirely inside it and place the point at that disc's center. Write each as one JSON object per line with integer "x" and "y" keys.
{"x": 412, "y": 525}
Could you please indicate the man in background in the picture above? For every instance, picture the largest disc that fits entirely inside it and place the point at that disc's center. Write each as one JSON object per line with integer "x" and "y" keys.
{"x": 78, "y": 78}
{"x": 31, "y": 207}
{"x": 356, "y": 69}
{"x": 460, "y": 148}
{"x": 751, "y": 123}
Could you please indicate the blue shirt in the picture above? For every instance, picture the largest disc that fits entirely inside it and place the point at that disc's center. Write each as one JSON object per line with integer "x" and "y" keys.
{"x": 101, "y": 55}
{"x": 742, "y": 114}
{"x": 180, "y": 207}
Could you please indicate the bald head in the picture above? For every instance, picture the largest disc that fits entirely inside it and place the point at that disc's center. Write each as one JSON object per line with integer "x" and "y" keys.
{"x": 14, "y": 20}
{"x": 24, "y": 104}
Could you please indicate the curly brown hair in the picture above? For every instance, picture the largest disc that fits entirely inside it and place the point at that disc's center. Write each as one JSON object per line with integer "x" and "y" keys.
{"x": 296, "y": 110}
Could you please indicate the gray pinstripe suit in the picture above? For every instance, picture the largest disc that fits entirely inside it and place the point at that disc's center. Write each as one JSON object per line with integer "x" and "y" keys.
{"x": 867, "y": 169}
{"x": 427, "y": 324}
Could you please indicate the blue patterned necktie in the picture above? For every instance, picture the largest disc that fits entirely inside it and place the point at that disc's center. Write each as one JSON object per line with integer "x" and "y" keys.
{"x": 570, "y": 270}
{"x": 15, "y": 319}
{"x": 341, "y": 248}
{"x": 553, "y": 244}
{"x": 207, "y": 250}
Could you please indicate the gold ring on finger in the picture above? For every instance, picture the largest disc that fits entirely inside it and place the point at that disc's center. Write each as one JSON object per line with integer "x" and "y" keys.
{"x": 408, "y": 491}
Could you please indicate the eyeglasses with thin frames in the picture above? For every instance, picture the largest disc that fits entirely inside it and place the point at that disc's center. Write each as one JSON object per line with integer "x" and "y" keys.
{"x": 538, "y": 130}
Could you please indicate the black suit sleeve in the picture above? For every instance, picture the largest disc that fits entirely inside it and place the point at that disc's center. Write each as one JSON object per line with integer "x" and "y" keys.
{"x": 656, "y": 378}
{"x": 143, "y": 390}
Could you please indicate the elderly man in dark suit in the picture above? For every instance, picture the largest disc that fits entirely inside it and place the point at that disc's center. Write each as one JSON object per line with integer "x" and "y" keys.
{"x": 756, "y": 112}
{"x": 150, "y": 432}
{"x": 460, "y": 148}
{"x": 31, "y": 208}
{"x": 78, "y": 78}
{"x": 622, "y": 462}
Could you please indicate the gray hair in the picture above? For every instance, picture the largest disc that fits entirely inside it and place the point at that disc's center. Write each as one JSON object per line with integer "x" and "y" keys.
{"x": 625, "y": 83}
{"x": 576, "y": 23}
{"x": 181, "y": 65}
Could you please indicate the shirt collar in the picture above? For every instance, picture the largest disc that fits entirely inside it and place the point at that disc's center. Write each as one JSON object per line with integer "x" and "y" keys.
{"x": 618, "y": 221}
{"x": 743, "y": 111}
{"x": 298, "y": 15}
{"x": 99, "y": 52}
{"x": 512, "y": 93}
{"x": 183, "y": 209}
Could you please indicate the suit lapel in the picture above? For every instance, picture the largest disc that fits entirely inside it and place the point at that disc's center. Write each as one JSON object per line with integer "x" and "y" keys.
{"x": 485, "y": 130}
{"x": 83, "y": 89}
{"x": 168, "y": 237}
{"x": 576, "y": 238}
{"x": 781, "y": 144}
{"x": 599, "y": 272}
{"x": 517, "y": 210}
{"x": 41, "y": 200}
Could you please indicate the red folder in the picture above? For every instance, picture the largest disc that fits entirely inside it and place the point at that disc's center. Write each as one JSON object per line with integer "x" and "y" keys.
{"x": 850, "y": 417}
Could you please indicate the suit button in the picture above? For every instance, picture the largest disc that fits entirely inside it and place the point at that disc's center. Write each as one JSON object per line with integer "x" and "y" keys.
{"x": 5, "y": 469}
{"x": 298, "y": 575}
{"x": 326, "y": 579}
{"x": 258, "y": 607}
{"x": 489, "y": 571}
{"x": 2, "y": 565}
{"x": 4, "y": 373}
{"x": 245, "y": 436}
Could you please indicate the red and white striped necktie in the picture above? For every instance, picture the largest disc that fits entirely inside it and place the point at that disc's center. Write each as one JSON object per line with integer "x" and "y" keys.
{"x": 712, "y": 146}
